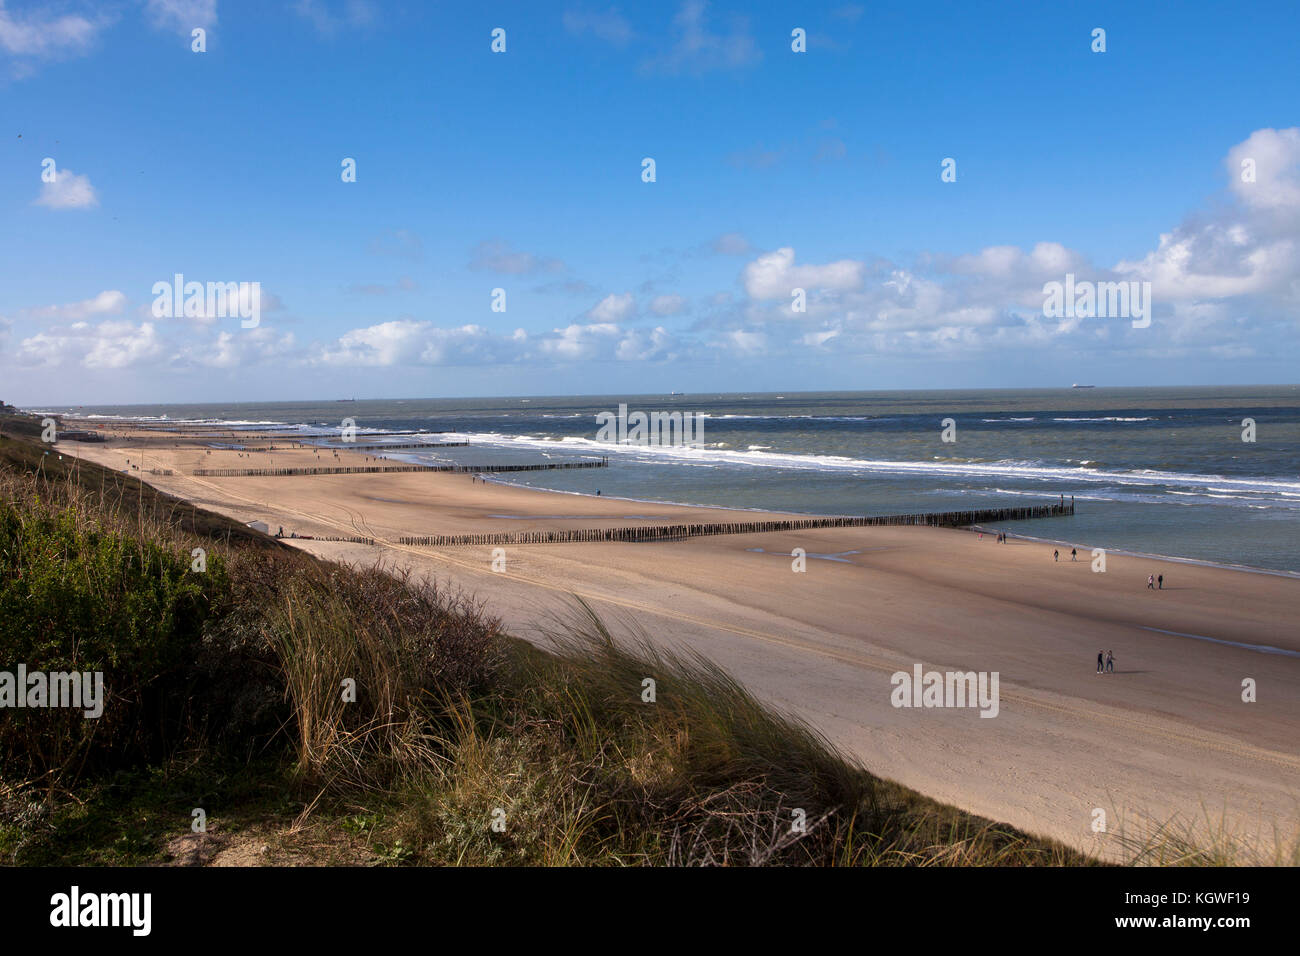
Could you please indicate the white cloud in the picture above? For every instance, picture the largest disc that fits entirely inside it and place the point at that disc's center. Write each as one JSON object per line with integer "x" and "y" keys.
{"x": 657, "y": 345}
{"x": 774, "y": 275}
{"x": 698, "y": 49}
{"x": 108, "y": 345}
{"x": 239, "y": 349}
{"x": 388, "y": 343}
{"x": 68, "y": 191}
{"x": 1046, "y": 259}
{"x": 1276, "y": 156}
{"x": 666, "y": 305}
{"x": 182, "y": 15}
{"x": 412, "y": 342}
{"x": 41, "y": 35}
{"x": 746, "y": 342}
{"x": 108, "y": 302}
{"x": 612, "y": 308}
{"x": 578, "y": 342}
{"x": 1223, "y": 281}
{"x": 1249, "y": 252}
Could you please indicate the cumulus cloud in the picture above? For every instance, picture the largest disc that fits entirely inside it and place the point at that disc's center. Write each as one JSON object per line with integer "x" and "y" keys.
{"x": 108, "y": 345}
{"x": 612, "y": 308}
{"x": 413, "y": 342}
{"x": 1046, "y": 259}
{"x": 774, "y": 275}
{"x": 239, "y": 349}
{"x": 576, "y": 342}
{"x": 1250, "y": 250}
{"x": 68, "y": 191}
{"x": 1225, "y": 282}
{"x": 1264, "y": 170}
{"x": 1222, "y": 281}
{"x": 656, "y": 345}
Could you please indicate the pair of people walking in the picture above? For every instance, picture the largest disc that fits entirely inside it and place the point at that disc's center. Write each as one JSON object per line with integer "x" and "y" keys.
{"x": 1106, "y": 662}
{"x": 1155, "y": 583}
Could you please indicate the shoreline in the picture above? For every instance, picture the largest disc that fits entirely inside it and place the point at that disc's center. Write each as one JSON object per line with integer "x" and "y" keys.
{"x": 311, "y": 441}
{"x": 1163, "y": 737}
{"x": 252, "y": 430}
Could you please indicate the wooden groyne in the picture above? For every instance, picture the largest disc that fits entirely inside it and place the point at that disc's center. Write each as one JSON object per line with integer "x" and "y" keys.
{"x": 418, "y": 444}
{"x": 943, "y": 519}
{"x": 321, "y": 537}
{"x": 377, "y": 469}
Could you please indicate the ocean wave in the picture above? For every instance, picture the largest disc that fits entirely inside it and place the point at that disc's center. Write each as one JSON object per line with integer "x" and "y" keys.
{"x": 792, "y": 418}
{"x": 1024, "y": 470}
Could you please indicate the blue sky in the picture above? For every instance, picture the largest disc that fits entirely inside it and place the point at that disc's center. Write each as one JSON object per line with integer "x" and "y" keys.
{"x": 522, "y": 171}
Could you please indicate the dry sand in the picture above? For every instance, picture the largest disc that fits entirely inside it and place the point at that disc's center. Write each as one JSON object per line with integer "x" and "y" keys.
{"x": 1166, "y": 738}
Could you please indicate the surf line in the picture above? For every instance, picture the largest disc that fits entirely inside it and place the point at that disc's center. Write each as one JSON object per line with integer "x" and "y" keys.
{"x": 1261, "y": 648}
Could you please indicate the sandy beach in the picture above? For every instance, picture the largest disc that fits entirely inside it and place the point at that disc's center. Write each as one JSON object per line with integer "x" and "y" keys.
{"x": 1166, "y": 737}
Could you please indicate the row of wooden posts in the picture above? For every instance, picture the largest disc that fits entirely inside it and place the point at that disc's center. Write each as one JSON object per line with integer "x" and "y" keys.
{"x": 944, "y": 519}
{"x": 375, "y": 469}
{"x": 349, "y": 446}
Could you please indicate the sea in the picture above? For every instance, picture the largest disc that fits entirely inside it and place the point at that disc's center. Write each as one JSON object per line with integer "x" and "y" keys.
{"x": 1157, "y": 471}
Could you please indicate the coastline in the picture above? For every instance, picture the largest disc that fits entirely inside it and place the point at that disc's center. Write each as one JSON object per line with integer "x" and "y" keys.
{"x": 1164, "y": 737}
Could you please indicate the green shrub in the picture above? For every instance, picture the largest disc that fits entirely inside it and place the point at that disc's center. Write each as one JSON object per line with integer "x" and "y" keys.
{"x": 78, "y": 593}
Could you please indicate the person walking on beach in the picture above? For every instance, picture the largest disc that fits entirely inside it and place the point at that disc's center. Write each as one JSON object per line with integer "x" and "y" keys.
{"x": 1110, "y": 662}
{"x": 1074, "y": 554}
{"x": 1160, "y": 583}
{"x": 1100, "y": 663}
{"x": 1056, "y": 555}
{"x": 1151, "y": 582}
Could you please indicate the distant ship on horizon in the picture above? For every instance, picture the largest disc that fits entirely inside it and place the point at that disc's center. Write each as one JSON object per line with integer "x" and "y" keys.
{"x": 1076, "y": 385}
